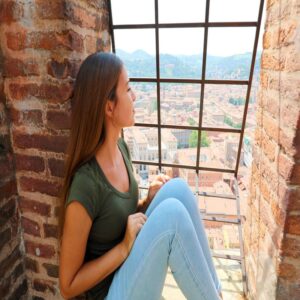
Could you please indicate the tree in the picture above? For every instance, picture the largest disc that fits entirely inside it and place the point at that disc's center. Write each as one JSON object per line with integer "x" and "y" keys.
{"x": 193, "y": 139}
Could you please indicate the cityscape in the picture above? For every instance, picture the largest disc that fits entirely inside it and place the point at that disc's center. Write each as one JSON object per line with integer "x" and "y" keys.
{"x": 223, "y": 107}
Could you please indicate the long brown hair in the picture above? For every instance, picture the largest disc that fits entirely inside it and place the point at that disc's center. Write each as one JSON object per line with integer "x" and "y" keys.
{"x": 95, "y": 84}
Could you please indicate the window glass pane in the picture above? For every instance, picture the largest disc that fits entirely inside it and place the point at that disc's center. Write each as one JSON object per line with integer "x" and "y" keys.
{"x": 218, "y": 149}
{"x": 179, "y": 103}
{"x": 145, "y": 104}
{"x": 224, "y": 105}
{"x": 142, "y": 178}
{"x": 181, "y": 52}
{"x": 233, "y": 10}
{"x": 176, "y": 147}
{"x": 177, "y": 11}
{"x": 136, "y": 47}
{"x": 229, "y": 53}
{"x": 142, "y": 142}
{"x": 132, "y": 11}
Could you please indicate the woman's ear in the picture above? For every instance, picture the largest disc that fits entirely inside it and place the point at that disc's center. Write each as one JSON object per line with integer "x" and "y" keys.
{"x": 109, "y": 108}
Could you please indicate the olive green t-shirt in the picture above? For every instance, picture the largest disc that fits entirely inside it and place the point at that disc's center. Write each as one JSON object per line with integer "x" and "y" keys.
{"x": 108, "y": 209}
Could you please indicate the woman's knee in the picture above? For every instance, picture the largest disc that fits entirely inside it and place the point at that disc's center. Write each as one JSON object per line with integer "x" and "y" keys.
{"x": 172, "y": 209}
{"x": 181, "y": 189}
{"x": 179, "y": 183}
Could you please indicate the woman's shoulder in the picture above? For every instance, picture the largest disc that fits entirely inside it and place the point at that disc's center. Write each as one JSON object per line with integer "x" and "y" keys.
{"x": 86, "y": 173}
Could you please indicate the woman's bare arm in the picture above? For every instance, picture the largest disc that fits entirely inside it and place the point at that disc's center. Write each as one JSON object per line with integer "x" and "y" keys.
{"x": 75, "y": 276}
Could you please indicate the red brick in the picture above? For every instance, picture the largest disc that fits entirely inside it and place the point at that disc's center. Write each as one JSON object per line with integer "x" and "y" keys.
{"x": 288, "y": 271}
{"x": 271, "y": 127}
{"x": 43, "y": 142}
{"x": 295, "y": 177}
{"x": 289, "y": 116}
{"x": 52, "y": 92}
{"x": 64, "y": 69}
{"x": 8, "y": 262}
{"x": 6, "y": 165}
{"x": 80, "y": 16}
{"x": 44, "y": 286}
{"x": 272, "y": 61}
{"x": 287, "y": 168}
{"x": 30, "y": 227}
{"x": 31, "y": 264}
{"x": 269, "y": 147}
{"x": 30, "y": 117}
{"x": 39, "y": 185}
{"x": 10, "y": 11}
{"x": 7, "y": 211}
{"x": 15, "y": 67}
{"x": 56, "y": 167}
{"x": 67, "y": 39}
{"x": 50, "y": 10}
{"x": 291, "y": 247}
{"x": 2, "y": 95}
{"x": 58, "y": 119}
{"x": 290, "y": 142}
{"x": 29, "y": 163}
{"x": 5, "y": 237}
{"x": 39, "y": 250}
{"x": 293, "y": 225}
{"x": 15, "y": 225}
{"x": 269, "y": 172}
{"x": 8, "y": 189}
{"x": 42, "y": 209}
{"x": 287, "y": 34}
{"x": 278, "y": 213}
{"x": 90, "y": 44}
{"x": 16, "y": 40}
{"x": 51, "y": 230}
{"x": 52, "y": 270}
{"x": 293, "y": 199}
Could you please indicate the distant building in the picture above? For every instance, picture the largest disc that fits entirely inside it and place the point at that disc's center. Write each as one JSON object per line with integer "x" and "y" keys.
{"x": 247, "y": 146}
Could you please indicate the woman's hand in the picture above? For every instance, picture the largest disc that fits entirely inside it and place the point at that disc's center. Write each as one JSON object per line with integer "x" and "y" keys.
{"x": 155, "y": 185}
{"x": 134, "y": 224}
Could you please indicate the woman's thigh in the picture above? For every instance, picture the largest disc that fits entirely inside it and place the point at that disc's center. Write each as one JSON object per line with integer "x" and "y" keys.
{"x": 179, "y": 189}
{"x": 144, "y": 270}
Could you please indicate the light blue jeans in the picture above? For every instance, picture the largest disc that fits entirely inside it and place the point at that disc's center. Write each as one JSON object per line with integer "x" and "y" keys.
{"x": 174, "y": 236}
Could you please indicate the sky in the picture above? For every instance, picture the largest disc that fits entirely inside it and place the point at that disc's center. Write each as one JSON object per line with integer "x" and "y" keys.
{"x": 221, "y": 41}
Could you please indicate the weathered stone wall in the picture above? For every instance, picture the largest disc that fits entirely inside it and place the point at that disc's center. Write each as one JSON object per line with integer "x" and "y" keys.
{"x": 272, "y": 228}
{"x": 42, "y": 46}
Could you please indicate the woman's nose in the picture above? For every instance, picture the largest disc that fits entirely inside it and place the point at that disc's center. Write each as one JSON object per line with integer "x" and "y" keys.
{"x": 133, "y": 96}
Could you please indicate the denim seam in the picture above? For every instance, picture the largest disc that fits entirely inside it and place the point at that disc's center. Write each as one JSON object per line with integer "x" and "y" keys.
{"x": 189, "y": 264}
{"x": 149, "y": 250}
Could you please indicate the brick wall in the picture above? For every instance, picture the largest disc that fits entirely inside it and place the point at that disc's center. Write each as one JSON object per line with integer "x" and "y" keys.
{"x": 13, "y": 281}
{"x": 43, "y": 44}
{"x": 272, "y": 228}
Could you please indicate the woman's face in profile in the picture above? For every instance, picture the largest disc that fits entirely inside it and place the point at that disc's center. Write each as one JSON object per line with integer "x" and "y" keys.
{"x": 123, "y": 115}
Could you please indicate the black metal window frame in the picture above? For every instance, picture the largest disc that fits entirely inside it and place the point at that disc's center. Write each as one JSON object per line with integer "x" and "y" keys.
{"x": 202, "y": 81}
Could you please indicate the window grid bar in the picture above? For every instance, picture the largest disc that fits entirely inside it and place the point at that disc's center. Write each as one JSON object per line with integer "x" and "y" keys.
{"x": 249, "y": 85}
{"x": 232, "y": 130}
{"x": 186, "y": 25}
{"x": 151, "y": 163}
{"x": 202, "y": 85}
{"x": 158, "y": 82}
{"x": 186, "y": 80}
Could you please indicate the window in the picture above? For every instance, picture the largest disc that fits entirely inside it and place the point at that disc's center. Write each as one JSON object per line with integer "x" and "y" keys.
{"x": 192, "y": 71}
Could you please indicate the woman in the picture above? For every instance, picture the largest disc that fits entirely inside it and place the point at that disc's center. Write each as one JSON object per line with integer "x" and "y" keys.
{"x": 114, "y": 246}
